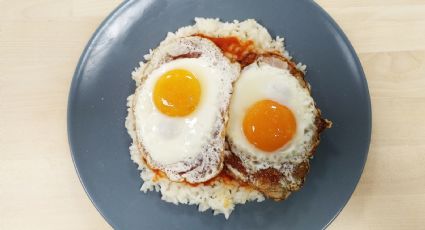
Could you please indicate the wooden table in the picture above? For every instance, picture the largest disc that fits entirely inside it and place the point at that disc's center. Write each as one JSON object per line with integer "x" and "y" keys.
{"x": 41, "y": 41}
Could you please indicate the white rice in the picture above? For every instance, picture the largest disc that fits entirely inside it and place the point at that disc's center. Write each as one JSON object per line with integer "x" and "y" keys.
{"x": 245, "y": 30}
{"x": 219, "y": 197}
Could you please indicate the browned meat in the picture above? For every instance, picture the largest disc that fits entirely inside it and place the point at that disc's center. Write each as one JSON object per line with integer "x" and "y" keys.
{"x": 270, "y": 181}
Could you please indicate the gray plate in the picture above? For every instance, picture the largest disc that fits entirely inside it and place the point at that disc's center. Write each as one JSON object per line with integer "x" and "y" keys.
{"x": 97, "y": 109}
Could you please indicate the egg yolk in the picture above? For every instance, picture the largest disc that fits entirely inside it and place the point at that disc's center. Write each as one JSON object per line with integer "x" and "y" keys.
{"x": 269, "y": 125}
{"x": 177, "y": 93}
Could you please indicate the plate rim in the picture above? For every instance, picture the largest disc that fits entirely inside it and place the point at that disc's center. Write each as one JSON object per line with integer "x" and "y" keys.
{"x": 72, "y": 91}
{"x": 359, "y": 66}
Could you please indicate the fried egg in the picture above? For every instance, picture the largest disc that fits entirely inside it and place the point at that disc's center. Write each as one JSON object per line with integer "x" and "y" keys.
{"x": 271, "y": 118}
{"x": 181, "y": 109}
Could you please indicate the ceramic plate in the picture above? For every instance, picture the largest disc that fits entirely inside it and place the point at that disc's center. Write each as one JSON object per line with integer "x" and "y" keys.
{"x": 102, "y": 82}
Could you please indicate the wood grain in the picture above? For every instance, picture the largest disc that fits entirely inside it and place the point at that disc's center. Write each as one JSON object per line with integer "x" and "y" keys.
{"x": 41, "y": 41}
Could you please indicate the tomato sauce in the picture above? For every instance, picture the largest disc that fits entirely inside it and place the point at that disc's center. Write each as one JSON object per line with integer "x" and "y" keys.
{"x": 235, "y": 49}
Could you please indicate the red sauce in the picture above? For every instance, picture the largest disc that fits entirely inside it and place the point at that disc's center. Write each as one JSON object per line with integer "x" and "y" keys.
{"x": 235, "y": 49}
{"x": 223, "y": 176}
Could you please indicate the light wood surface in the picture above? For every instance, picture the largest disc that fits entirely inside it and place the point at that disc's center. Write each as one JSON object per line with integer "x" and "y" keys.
{"x": 41, "y": 41}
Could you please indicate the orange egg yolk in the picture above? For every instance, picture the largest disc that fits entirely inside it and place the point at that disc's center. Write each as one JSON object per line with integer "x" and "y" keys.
{"x": 177, "y": 93}
{"x": 269, "y": 125}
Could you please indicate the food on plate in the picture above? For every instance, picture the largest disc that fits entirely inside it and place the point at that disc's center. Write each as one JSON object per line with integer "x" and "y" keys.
{"x": 274, "y": 126}
{"x": 180, "y": 109}
{"x": 196, "y": 143}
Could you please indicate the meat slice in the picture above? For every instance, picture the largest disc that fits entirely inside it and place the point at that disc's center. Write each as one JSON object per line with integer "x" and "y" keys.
{"x": 274, "y": 183}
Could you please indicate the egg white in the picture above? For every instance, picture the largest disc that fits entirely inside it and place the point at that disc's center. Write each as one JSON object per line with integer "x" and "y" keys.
{"x": 260, "y": 81}
{"x": 173, "y": 139}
